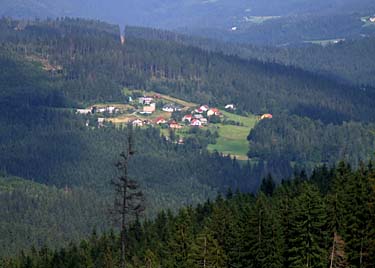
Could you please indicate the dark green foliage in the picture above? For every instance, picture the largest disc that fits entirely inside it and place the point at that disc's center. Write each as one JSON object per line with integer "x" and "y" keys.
{"x": 307, "y": 141}
{"x": 308, "y": 219}
{"x": 296, "y": 227}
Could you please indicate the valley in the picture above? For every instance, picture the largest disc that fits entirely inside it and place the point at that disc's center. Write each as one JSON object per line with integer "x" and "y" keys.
{"x": 224, "y": 137}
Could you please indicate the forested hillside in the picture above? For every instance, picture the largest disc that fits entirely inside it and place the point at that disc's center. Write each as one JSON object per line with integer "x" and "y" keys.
{"x": 274, "y": 21}
{"x": 43, "y": 140}
{"x": 349, "y": 61}
{"x": 327, "y": 219}
{"x": 312, "y": 139}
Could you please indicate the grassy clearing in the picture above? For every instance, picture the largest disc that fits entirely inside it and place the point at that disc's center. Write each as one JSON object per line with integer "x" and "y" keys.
{"x": 233, "y": 139}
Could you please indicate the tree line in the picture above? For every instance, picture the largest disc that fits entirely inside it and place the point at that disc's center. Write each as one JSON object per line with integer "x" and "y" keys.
{"x": 325, "y": 220}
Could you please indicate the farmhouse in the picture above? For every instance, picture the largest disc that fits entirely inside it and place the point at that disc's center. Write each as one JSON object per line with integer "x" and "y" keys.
{"x": 83, "y": 111}
{"x": 160, "y": 120}
{"x": 213, "y": 111}
{"x": 204, "y": 108}
{"x": 145, "y": 100}
{"x": 230, "y": 107}
{"x": 266, "y": 116}
{"x": 101, "y": 122}
{"x": 149, "y": 109}
{"x": 204, "y": 121}
{"x": 137, "y": 123}
{"x": 170, "y": 108}
{"x": 109, "y": 109}
{"x": 187, "y": 117}
{"x": 196, "y": 123}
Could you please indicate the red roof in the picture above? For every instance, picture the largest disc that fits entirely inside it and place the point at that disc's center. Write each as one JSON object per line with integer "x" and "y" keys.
{"x": 188, "y": 116}
{"x": 159, "y": 119}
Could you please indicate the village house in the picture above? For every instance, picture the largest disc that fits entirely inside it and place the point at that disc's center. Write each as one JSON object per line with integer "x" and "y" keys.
{"x": 230, "y": 107}
{"x": 83, "y": 111}
{"x": 149, "y": 109}
{"x": 372, "y": 19}
{"x": 196, "y": 123}
{"x": 213, "y": 111}
{"x": 204, "y": 108}
{"x": 145, "y": 100}
{"x": 266, "y": 116}
{"x": 198, "y": 111}
{"x": 160, "y": 120}
{"x": 101, "y": 122}
{"x": 198, "y": 116}
{"x": 187, "y": 117}
{"x": 109, "y": 109}
{"x": 137, "y": 123}
{"x": 204, "y": 121}
{"x": 174, "y": 125}
{"x": 170, "y": 108}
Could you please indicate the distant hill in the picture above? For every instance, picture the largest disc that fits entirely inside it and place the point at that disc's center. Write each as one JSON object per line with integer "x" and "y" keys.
{"x": 256, "y": 21}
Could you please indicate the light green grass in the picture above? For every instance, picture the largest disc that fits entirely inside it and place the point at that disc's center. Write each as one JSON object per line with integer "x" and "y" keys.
{"x": 233, "y": 139}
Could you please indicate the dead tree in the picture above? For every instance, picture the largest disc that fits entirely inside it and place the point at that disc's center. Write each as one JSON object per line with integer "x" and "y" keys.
{"x": 129, "y": 199}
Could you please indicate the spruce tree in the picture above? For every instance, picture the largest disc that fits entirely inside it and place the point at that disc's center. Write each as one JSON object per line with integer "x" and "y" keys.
{"x": 205, "y": 252}
{"x": 307, "y": 245}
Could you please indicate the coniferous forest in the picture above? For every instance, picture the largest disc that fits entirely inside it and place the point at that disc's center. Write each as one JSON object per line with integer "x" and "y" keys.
{"x": 326, "y": 220}
{"x": 304, "y": 198}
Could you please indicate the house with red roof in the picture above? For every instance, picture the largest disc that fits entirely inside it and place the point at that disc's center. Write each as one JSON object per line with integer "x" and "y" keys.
{"x": 213, "y": 111}
{"x": 160, "y": 120}
{"x": 266, "y": 116}
{"x": 187, "y": 117}
{"x": 204, "y": 108}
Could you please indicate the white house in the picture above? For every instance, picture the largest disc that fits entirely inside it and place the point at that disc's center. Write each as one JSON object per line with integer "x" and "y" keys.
{"x": 83, "y": 111}
{"x": 101, "y": 122}
{"x": 145, "y": 100}
{"x": 137, "y": 123}
{"x": 169, "y": 108}
{"x": 372, "y": 19}
{"x": 204, "y": 121}
{"x": 111, "y": 109}
{"x": 230, "y": 107}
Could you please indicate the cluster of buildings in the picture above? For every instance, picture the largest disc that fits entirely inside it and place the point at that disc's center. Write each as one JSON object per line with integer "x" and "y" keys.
{"x": 94, "y": 110}
{"x": 197, "y": 118}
